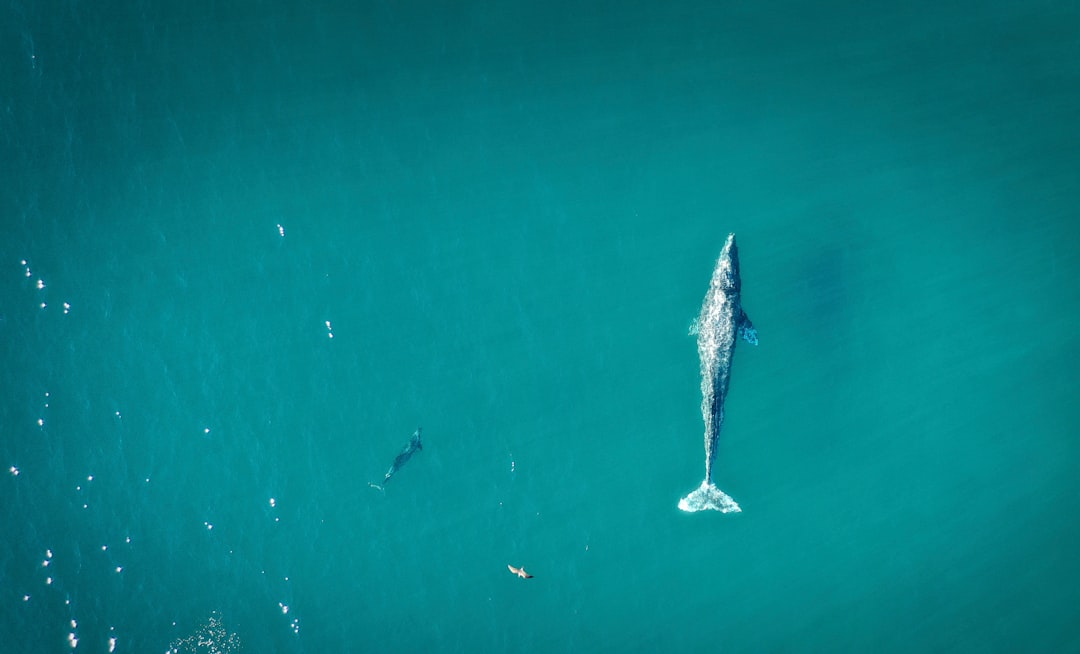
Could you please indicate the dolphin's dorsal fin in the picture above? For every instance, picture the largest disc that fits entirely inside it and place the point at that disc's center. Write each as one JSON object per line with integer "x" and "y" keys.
{"x": 746, "y": 329}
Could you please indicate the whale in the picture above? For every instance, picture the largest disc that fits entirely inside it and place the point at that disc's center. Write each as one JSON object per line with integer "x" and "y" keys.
{"x": 719, "y": 326}
{"x": 414, "y": 445}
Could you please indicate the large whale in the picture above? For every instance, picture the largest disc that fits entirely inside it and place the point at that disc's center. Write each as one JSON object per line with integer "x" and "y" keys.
{"x": 402, "y": 458}
{"x": 721, "y": 323}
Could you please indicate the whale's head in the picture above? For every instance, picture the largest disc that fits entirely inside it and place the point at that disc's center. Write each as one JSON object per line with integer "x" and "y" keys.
{"x": 728, "y": 266}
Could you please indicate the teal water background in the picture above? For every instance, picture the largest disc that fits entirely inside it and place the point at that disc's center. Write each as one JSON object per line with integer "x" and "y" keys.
{"x": 508, "y": 215}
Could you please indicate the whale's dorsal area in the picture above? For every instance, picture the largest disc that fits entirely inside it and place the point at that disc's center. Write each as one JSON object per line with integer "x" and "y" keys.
{"x": 719, "y": 326}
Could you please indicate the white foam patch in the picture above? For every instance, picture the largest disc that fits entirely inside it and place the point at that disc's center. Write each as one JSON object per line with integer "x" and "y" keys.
{"x": 709, "y": 498}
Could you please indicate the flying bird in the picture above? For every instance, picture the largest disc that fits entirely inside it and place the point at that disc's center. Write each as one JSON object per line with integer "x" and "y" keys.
{"x": 520, "y": 572}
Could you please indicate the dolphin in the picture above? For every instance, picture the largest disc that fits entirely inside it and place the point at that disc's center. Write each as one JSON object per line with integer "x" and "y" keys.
{"x": 721, "y": 322}
{"x": 413, "y": 446}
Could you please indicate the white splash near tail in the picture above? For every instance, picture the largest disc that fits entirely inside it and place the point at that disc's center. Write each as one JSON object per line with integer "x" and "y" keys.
{"x": 708, "y": 496}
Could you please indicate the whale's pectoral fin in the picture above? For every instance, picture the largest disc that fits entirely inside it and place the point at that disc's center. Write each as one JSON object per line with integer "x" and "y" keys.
{"x": 746, "y": 329}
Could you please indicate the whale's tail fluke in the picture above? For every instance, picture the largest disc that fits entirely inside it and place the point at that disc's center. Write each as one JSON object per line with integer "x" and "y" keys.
{"x": 708, "y": 496}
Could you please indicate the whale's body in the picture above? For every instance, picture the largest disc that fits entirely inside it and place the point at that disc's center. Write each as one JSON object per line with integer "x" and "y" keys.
{"x": 402, "y": 458}
{"x": 721, "y": 323}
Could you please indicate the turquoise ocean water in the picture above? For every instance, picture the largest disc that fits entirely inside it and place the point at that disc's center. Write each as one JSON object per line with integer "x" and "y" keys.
{"x": 247, "y": 248}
